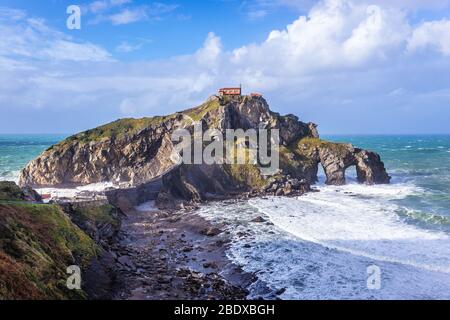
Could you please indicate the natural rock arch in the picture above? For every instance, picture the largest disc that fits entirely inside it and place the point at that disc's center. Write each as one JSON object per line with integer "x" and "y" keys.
{"x": 336, "y": 159}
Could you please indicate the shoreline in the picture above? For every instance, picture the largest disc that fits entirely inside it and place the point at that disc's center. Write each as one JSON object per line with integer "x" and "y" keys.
{"x": 177, "y": 256}
{"x": 194, "y": 253}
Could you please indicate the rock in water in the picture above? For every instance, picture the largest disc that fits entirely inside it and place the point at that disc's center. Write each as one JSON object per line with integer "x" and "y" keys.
{"x": 133, "y": 152}
{"x": 336, "y": 158}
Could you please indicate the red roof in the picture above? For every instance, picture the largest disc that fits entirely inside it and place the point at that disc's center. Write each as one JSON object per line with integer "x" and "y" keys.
{"x": 230, "y": 91}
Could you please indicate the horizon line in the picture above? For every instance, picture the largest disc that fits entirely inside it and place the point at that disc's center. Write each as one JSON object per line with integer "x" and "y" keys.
{"x": 321, "y": 134}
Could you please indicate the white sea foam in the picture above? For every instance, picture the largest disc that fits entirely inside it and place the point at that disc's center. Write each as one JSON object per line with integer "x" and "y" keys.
{"x": 361, "y": 227}
{"x": 74, "y": 192}
{"x": 388, "y": 192}
{"x": 147, "y": 206}
{"x": 320, "y": 245}
{"x": 10, "y": 176}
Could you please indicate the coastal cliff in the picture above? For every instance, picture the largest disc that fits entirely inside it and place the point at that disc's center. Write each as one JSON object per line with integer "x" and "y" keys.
{"x": 115, "y": 244}
{"x": 133, "y": 152}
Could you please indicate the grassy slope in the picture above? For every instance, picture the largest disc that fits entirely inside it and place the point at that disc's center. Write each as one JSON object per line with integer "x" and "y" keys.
{"x": 116, "y": 129}
{"x": 247, "y": 174}
{"x": 9, "y": 191}
{"x": 130, "y": 126}
{"x": 96, "y": 214}
{"x": 38, "y": 242}
{"x": 309, "y": 144}
{"x": 199, "y": 112}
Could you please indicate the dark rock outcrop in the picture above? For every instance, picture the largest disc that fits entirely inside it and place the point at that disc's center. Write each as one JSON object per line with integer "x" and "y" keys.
{"x": 11, "y": 191}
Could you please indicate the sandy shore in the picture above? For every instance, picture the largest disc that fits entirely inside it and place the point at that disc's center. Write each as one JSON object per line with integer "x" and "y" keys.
{"x": 175, "y": 255}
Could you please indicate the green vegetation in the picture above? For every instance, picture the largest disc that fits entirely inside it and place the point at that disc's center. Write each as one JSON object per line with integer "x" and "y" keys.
{"x": 116, "y": 129}
{"x": 37, "y": 244}
{"x": 199, "y": 112}
{"x": 97, "y": 214}
{"x": 9, "y": 191}
{"x": 246, "y": 174}
{"x": 292, "y": 162}
{"x": 224, "y": 100}
{"x": 310, "y": 144}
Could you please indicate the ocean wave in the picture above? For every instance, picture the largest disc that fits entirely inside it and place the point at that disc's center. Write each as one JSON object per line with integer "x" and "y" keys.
{"x": 363, "y": 227}
{"x": 399, "y": 190}
{"x": 429, "y": 218}
{"x": 308, "y": 269}
{"x": 147, "y": 206}
{"x": 74, "y": 192}
{"x": 10, "y": 175}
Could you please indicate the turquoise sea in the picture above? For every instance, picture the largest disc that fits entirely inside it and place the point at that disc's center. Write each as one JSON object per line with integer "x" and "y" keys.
{"x": 18, "y": 149}
{"x": 320, "y": 246}
{"x": 355, "y": 241}
{"x": 421, "y": 162}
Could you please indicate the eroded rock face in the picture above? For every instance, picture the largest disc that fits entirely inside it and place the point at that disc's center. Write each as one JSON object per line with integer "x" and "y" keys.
{"x": 370, "y": 169}
{"x": 129, "y": 159}
{"x": 134, "y": 152}
{"x": 336, "y": 160}
{"x": 334, "y": 164}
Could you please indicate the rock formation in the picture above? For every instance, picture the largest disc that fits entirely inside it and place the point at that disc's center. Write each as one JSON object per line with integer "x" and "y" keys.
{"x": 135, "y": 152}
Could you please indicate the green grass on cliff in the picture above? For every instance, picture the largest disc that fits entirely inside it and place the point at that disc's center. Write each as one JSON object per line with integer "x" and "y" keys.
{"x": 96, "y": 214}
{"x": 116, "y": 129}
{"x": 37, "y": 244}
{"x": 9, "y": 191}
{"x": 199, "y": 112}
{"x": 292, "y": 162}
{"x": 246, "y": 174}
{"x": 130, "y": 126}
{"x": 310, "y": 144}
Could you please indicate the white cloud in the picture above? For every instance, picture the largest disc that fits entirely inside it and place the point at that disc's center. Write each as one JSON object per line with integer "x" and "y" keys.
{"x": 128, "y": 16}
{"x": 344, "y": 58}
{"x": 67, "y": 50}
{"x": 335, "y": 34}
{"x": 211, "y": 51}
{"x": 257, "y": 14}
{"x": 120, "y": 12}
{"x": 104, "y": 5}
{"x": 11, "y": 14}
{"x": 30, "y": 38}
{"x": 126, "y": 47}
{"x": 413, "y": 4}
{"x": 258, "y": 9}
{"x": 433, "y": 35}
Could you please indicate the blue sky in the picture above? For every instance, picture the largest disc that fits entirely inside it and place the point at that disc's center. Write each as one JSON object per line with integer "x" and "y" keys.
{"x": 351, "y": 66}
{"x": 169, "y": 28}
